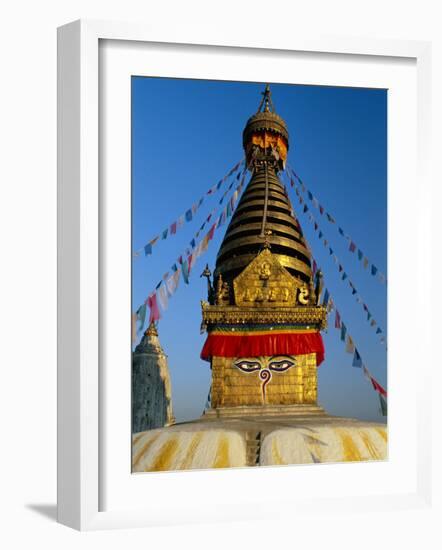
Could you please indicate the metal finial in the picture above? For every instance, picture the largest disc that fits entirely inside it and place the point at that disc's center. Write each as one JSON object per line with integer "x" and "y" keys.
{"x": 266, "y": 100}
{"x": 206, "y": 273}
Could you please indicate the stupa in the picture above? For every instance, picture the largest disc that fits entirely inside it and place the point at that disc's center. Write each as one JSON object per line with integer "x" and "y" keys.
{"x": 264, "y": 321}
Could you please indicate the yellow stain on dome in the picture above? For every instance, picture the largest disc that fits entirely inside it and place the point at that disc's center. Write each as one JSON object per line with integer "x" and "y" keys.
{"x": 222, "y": 454}
{"x": 383, "y": 433}
{"x": 165, "y": 456}
{"x": 371, "y": 448}
{"x": 351, "y": 451}
{"x": 141, "y": 453}
{"x": 190, "y": 454}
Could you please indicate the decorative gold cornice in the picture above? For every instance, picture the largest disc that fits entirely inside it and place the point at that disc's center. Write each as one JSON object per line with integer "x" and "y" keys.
{"x": 314, "y": 316}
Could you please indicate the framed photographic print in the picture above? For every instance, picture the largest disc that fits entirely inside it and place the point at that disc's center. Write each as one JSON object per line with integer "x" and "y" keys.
{"x": 226, "y": 213}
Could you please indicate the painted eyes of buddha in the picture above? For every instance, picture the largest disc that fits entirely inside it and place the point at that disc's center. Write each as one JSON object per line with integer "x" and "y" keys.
{"x": 278, "y": 364}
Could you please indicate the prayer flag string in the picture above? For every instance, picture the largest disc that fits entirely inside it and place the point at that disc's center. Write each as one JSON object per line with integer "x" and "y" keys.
{"x": 352, "y": 246}
{"x": 158, "y": 299}
{"x": 189, "y": 213}
{"x": 343, "y": 274}
{"x": 351, "y": 348}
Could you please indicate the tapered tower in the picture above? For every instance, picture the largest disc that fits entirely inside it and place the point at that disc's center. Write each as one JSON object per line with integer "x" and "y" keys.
{"x": 263, "y": 318}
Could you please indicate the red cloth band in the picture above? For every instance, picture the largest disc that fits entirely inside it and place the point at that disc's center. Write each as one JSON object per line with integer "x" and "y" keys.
{"x": 246, "y": 345}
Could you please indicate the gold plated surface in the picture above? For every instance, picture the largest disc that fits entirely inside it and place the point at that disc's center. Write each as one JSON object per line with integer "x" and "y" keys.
{"x": 313, "y": 316}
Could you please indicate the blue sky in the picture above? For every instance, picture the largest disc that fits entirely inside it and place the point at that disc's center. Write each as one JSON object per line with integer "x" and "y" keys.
{"x": 186, "y": 134}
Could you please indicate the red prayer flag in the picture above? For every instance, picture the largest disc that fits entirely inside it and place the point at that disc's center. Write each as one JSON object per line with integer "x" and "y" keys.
{"x": 153, "y": 305}
{"x": 352, "y": 247}
{"x": 337, "y": 319}
{"x": 378, "y": 387}
{"x": 173, "y": 228}
{"x": 211, "y": 232}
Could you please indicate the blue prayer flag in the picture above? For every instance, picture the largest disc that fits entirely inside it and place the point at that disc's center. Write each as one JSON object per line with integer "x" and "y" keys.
{"x": 148, "y": 249}
{"x": 357, "y": 361}
{"x": 343, "y": 331}
{"x": 185, "y": 270}
{"x": 374, "y": 270}
{"x": 326, "y": 297}
{"x": 189, "y": 215}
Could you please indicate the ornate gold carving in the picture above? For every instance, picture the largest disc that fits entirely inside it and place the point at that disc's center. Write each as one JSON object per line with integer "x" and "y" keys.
{"x": 222, "y": 291}
{"x": 303, "y": 295}
{"x": 313, "y": 316}
{"x": 237, "y": 262}
{"x": 264, "y": 282}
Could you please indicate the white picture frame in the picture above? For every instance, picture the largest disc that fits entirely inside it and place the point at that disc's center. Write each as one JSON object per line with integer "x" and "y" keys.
{"x": 80, "y": 393}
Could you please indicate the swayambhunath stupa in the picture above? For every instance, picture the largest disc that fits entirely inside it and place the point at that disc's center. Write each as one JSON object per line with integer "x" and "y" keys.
{"x": 264, "y": 312}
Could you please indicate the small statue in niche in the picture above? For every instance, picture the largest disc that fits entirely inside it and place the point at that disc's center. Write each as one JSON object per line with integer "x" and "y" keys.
{"x": 318, "y": 286}
{"x": 210, "y": 290}
{"x": 272, "y": 295}
{"x": 222, "y": 291}
{"x": 265, "y": 271}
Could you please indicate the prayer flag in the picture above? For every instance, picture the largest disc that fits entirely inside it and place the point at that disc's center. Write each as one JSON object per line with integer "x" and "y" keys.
{"x": 344, "y": 276}
{"x": 193, "y": 243}
{"x": 172, "y": 282}
{"x": 162, "y": 297}
{"x": 383, "y": 403}
{"x": 378, "y": 387}
{"x": 165, "y": 232}
{"x": 305, "y": 208}
{"x": 189, "y": 215}
{"x": 337, "y": 319}
{"x": 343, "y": 331}
{"x": 357, "y": 361}
{"x": 320, "y": 234}
{"x": 321, "y": 209}
{"x": 360, "y": 254}
{"x": 185, "y": 271}
{"x": 314, "y": 268}
{"x": 341, "y": 231}
{"x": 326, "y": 297}
{"x": 330, "y": 218}
{"x": 374, "y": 270}
{"x": 173, "y": 228}
{"x": 378, "y": 330}
{"x": 141, "y": 316}
{"x": 211, "y": 232}
{"x": 352, "y": 246}
{"x": 181, "y": 221}
{"x": 330, "y": 251}
{"x": 148, "y": 249}
{"x": 153, "y": 305}
{"x": 316, "y": 226}
{"x": 310, "y": 196}
{"x": 315, "y": 202}
{"x": 349, "y": 345}
{"x": 365, "y": 263}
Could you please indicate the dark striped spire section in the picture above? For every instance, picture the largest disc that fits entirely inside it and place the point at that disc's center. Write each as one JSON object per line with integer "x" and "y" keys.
{"x": 264, "y": 214}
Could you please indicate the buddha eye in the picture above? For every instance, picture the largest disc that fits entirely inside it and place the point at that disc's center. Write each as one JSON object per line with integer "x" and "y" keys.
{"x": 248, "y": 366}
{"x": 281, "y": 365}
